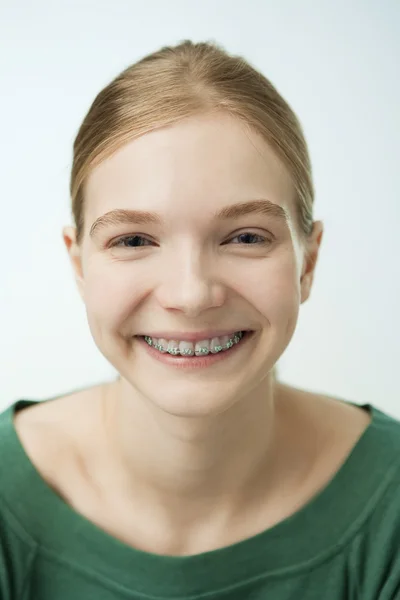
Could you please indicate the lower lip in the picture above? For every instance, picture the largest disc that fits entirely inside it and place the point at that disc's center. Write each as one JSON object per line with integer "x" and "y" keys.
{"x": 195, "y": 362}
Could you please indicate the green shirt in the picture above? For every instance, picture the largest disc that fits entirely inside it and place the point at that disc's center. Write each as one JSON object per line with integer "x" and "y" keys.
{"x": 343, "y": 545}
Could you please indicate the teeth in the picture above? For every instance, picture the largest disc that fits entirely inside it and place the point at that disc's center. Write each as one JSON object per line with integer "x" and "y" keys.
{"x": 173, "y": 347}
{"x": 201, "y": 348}
{"x": 186, "y": 349}
{"x": 163, "y": 345}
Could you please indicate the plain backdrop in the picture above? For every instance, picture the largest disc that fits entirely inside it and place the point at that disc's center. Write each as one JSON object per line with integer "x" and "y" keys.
{"x": 335, "y": 62}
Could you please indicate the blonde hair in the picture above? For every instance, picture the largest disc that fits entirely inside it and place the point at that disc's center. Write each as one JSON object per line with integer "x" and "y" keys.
{"x": 180, "y": 81}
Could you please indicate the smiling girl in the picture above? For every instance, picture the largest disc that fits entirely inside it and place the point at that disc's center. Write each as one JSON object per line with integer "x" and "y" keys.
{"x": 196, "y": 474}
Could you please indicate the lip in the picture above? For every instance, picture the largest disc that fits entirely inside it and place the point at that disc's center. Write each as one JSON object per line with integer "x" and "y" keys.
{"x": 196, "y": 336}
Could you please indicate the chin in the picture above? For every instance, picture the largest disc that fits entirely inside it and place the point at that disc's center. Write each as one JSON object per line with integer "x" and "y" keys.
{"x": 191, "y": 398}
{"x": 184, "y": 406}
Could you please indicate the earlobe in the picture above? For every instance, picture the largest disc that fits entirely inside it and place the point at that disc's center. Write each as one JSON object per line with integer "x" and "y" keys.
{"x": 74, "y": 252}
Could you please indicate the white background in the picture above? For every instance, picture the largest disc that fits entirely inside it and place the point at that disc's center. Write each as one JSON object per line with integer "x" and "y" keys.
{"x": 335, "y": 62}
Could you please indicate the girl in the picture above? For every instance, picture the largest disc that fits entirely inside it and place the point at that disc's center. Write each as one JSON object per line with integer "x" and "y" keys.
{"x": 196, "y": 474}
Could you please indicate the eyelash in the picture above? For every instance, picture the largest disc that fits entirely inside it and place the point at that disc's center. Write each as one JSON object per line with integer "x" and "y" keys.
{"x": 117, "y": 243}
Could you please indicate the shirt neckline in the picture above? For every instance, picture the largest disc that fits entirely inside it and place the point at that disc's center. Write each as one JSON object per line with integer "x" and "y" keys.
{"x": 328, "y": 519}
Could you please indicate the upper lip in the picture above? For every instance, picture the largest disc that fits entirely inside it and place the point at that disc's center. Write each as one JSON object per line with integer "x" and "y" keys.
{"x": 196, "y": 336}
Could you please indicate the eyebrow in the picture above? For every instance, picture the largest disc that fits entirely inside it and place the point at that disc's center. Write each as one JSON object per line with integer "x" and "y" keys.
{"x": 240, "y": 209}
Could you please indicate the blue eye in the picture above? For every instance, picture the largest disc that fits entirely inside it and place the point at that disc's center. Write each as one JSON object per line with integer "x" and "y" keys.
{"x": 248, "y": 236}
{"x": 121, "y": 242}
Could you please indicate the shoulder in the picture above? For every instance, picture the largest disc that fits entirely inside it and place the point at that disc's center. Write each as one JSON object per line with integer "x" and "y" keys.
{"x": 53, "y": 434}
{"x": 39, "y": 449}
{"x": 375, "y": 551}
{"x": 41, "y": 442}
{"x": 335, "y": 424}
{"x": 373, "y": 441}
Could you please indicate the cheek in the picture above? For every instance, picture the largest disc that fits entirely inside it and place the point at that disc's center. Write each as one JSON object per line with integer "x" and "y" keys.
{"x": 276, "y": 293}
{"x": 111, "y": 294}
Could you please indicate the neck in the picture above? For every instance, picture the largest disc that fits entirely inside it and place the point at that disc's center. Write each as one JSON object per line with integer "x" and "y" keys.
{"x": 200, "y": 469}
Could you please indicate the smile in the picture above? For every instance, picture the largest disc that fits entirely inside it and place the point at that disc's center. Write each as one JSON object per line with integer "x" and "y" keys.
{"x": 201, "y": 348}
{"x": 199, "y": 355}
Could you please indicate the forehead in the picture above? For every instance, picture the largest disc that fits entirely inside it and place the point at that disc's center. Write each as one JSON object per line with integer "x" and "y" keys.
{"x": 205, "y": 161}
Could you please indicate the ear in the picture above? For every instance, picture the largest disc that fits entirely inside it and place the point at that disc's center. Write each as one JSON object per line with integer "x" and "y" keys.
{"x": 310, "y": 260}
{"x": 75, "y": 256}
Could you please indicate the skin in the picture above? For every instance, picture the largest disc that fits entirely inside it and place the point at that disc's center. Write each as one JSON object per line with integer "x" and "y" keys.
{"x": 195, "y": 449}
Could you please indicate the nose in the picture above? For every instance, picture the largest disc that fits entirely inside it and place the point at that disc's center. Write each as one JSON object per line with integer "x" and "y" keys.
{"x": 190, "y": 285}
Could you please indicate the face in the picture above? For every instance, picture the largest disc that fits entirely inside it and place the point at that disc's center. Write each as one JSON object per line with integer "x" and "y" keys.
{"x": 197, "y": 263}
